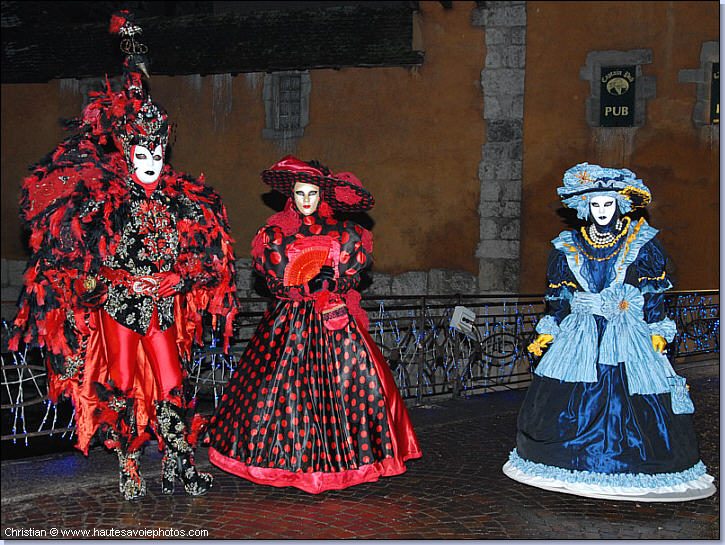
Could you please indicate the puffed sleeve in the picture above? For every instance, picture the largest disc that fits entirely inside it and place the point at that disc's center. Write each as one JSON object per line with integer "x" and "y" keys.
{"x": 269, "y": 259}
{"x": 356, "y": 246}
{"x": 560, "y": 288}
{"x": 649, "y": 273}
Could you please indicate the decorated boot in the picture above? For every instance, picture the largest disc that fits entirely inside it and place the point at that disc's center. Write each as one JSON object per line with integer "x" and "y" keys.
{"x": 117, "y": 415}
{"x": 178, "y": 460}
{"x": 131, "y": 483}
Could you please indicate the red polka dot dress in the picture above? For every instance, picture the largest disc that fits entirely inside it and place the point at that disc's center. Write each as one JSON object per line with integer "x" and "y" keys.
{"x": 312, "y": 403}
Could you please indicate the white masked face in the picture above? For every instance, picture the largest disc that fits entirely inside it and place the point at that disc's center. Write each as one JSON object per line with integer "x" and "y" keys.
{"x": 147, "y": 165}
{"x": 307, "y": 197}
{"x": 602, "y": 209}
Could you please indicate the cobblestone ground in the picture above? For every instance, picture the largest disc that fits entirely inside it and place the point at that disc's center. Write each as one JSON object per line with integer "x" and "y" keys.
{"x": 457, "y": 490}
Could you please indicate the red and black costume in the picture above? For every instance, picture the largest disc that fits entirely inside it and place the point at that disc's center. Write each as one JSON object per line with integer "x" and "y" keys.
{"x": 120, "y": 277}
{"x": 312, "y": 403}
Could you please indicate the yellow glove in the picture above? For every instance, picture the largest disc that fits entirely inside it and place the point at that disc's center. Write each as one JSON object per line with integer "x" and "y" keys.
{"x": 658, "y": 343}
{"x": 540, "y": 342}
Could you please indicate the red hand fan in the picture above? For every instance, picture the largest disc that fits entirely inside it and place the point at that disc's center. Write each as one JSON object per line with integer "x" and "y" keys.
{"x": 307, "y": 256}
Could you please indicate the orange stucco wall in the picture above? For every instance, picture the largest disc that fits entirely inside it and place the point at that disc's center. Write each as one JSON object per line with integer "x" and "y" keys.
{"x": 30, "y": 129}
{"x": 676, "y": 160}
{"x": 412, "y": 136}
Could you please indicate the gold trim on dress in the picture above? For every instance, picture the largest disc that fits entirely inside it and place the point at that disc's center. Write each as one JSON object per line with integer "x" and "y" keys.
{"x": 660, "y": 277}
{"x": 565, "y": 282}
{"x": 609, "y": 244}
{"x": 630, "y": 238}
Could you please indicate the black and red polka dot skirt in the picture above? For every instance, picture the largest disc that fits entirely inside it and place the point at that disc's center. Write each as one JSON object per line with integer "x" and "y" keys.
{"x": 310, "y": 407}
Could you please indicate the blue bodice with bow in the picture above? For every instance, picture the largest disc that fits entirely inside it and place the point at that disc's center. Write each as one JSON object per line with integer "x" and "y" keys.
{"x": 604, "y": 304}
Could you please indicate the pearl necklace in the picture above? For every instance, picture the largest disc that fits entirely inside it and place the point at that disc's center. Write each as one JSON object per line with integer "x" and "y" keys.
{"x": 598, "y": 240}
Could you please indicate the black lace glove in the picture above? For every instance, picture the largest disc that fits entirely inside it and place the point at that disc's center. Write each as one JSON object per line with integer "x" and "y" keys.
{"x": 325, "y": 279}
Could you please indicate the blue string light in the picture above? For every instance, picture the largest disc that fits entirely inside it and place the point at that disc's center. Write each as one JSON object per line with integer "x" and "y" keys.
{"x": 451, "y": 359}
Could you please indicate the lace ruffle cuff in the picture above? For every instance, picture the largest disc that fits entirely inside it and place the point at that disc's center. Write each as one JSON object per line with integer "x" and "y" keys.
{"x": 547, "y": 326}
{"x": 664, "y": 328}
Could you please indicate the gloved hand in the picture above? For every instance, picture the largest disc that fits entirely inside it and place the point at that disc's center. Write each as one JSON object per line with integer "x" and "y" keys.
{"x": 91, "y": 292}
{"x": 658, "y": 343}
{"x": 325, "y": 279}
{"x": 540, "y": 342}
{"x": 169, "y": 284}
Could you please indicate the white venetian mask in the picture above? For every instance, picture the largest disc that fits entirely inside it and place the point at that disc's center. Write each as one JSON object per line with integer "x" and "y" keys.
{"x": 307, "y": 197}
{"x": 602, "y": 208}
{"x": 147, "y": 165}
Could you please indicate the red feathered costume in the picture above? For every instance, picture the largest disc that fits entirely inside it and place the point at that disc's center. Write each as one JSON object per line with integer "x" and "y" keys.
{"x": 121, "y": 275}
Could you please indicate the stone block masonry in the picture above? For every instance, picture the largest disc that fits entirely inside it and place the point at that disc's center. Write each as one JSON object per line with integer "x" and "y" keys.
{"x": 500, "y": 170}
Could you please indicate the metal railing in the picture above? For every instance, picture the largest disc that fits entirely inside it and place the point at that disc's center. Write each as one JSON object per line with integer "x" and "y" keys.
{"x": 428, "y": 358}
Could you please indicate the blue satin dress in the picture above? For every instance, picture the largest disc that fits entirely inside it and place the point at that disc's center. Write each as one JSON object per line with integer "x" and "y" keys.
{"x": 600, "y": 428}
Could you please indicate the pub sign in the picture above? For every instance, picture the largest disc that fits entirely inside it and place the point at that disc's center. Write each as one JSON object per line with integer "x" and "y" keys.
{"x": 715, "y": 94}
{"x": 616, "y": 106}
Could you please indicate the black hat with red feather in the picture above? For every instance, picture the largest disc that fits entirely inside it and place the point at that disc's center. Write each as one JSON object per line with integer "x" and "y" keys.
{"x": 342, "y": 191}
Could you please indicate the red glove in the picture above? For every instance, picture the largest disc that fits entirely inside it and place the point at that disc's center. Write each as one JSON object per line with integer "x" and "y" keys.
{"x": 168, "y": 285}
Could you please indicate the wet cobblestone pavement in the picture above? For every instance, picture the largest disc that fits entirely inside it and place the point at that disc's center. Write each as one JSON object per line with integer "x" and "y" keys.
{"x": 457, "y": 490}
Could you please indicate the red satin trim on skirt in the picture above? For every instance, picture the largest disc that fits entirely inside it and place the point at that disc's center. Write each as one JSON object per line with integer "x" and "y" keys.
{"x": 403, "y": 439}
{"x": 313, "y": 482}
{"x": 405, "y": 442}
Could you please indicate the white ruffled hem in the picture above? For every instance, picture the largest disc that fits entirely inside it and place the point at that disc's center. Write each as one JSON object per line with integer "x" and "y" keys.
{"x": 696, "y": 489}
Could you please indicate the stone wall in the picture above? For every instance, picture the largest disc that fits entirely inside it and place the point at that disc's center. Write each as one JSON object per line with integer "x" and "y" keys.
{"x": 11, "y": 278}
{"x": 702, "y": 76}
{"x": 399, "y": 129}
{"x": 500, "y": 170}
{"x": 432, "y": 282}
{"x": 678, "y": 160}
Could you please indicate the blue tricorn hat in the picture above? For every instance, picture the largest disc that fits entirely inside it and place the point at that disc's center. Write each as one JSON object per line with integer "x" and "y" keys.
{"x": 584, "y": 181}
